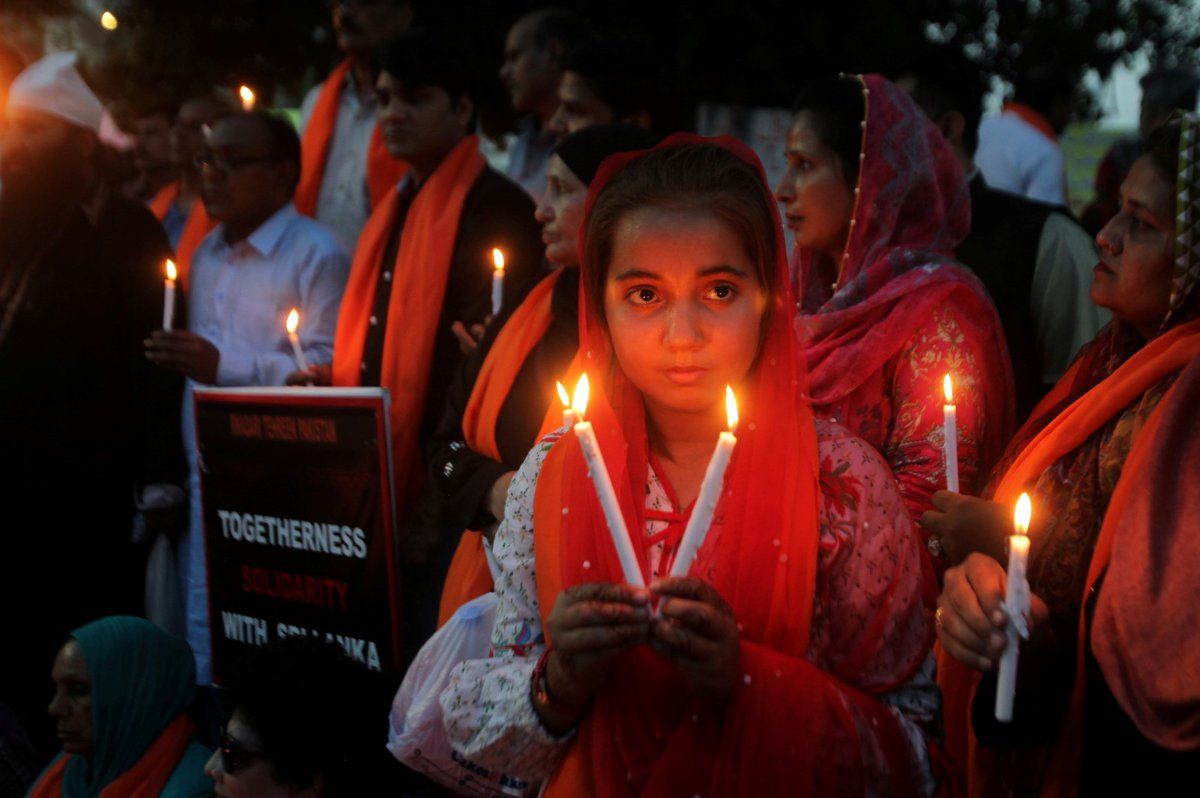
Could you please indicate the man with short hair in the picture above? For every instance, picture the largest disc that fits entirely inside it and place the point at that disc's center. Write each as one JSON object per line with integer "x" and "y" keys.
{"x": 1163, "y": 91}
{"x": 613, "y": 81}
{"x": 263, "y": 259}
{"x": 346, "y": 168}
{"x": 87, "y": 425}
{"x": 150, "y": 129}
{"x": 1035, "y": 261}
{"x": 178, "y": 204}
{"x": 1018, "y": 150}
{"x": 424, "y": 262}
{"x": 533, "y": 64}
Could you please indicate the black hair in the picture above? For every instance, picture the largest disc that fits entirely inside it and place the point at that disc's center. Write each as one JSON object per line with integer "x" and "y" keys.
{"x": 421, "y": 58}
{"x": 945, "y": 80}
{"x": 283, "y": 142}
{"x": 835, "y": 105}
{"x": 1042, "y": 86}
{"x": 1164, "y": 90}
{"x": 624, "y": 74}
{"x": 315, "y": 710}
{"x": 1162, "y": 146}
{"x": 558, "y": 26}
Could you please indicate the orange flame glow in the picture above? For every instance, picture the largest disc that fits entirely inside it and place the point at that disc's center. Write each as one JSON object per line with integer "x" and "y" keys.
{"x": 172, "y": 272}
{"x": 562, "y": 395}
{"x": 948, "y": 389}
{"x": 248, "y": 99}
{"x": 108, "y": 21}
{"x": 498, "y": 259}
{"x": 293, "y": 321}
{"x": 579, "y": 403}
{"x": 1022, "y": 515}
{"x": 731, "y": 410}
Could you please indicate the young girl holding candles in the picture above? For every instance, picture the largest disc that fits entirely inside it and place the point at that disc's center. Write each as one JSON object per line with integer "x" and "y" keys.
{"x": 793, "y": 658}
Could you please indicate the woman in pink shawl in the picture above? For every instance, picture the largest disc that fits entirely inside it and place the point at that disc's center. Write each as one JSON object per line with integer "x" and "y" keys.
{"x": 877, "y": 203}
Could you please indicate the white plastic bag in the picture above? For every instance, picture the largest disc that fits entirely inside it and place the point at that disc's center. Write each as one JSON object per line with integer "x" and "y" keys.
{"x": 416, "y": 735}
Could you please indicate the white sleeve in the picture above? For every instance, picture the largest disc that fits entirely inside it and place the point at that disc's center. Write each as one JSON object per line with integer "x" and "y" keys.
{"x": 1064, "y": 315}
{"x": 486, "y": 707}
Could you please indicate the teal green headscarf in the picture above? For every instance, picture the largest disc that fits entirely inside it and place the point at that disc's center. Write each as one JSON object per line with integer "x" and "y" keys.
{"x": 142, "y": 678}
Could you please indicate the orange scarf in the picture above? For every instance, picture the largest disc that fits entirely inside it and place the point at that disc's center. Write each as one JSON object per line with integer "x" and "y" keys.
{"x": 469, "y": 576}
{"x": 419, "y": 278}
{"x": 1031, "y": 117}
{"x": 1160, "y": 358}
{"x": 198, "y": 225}
{"x": 383, "y": 171}
{"x": 145, "y": 779}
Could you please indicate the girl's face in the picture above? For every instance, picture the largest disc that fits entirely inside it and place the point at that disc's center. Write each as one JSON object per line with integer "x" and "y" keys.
{"x": 817, "y": 203}
{"x": 684, "y": 307}
{"x": 1133, "y": 277}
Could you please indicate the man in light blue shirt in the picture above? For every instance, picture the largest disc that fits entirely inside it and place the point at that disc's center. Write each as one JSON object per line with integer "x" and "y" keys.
{"x": 264, "y": 259}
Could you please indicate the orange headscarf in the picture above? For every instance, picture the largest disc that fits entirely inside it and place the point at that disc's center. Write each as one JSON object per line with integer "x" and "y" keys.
{"x": 469, "y": 577}
{"x": 383, "y": 171}
{"x": 420, "y": 273}
{"x": 645, "y": 735}
{"x": 198, "y": 225}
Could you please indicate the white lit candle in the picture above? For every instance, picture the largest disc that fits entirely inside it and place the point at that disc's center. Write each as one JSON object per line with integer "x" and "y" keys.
{"x": 497, "y": 281}
{"x": 601, "y": 481}
{"x": 710, "y": 492}
{"x": 247, "y": 96}
{"x": 1017, "y": 602}
{"x": 570, "y": 417}
{"x": 950, "y": 423}
{"x": 169, "y": 297}
{"x": 293, "y": 322}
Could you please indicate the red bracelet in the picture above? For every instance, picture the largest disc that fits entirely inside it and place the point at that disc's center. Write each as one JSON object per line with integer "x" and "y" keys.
{"x": 540, "y": 684}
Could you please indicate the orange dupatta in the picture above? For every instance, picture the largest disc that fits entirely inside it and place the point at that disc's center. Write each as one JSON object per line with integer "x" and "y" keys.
{"x": 469, "y": 576}
{"x": 198, "y": 225}
{"x": 383, "y": 171}
{"x": 145, "y": 779}
{"x": 1161, "y": 357}
{"x": 420, "y": 273}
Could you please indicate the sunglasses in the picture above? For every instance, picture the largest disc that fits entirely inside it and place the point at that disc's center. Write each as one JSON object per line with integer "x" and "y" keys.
{"x": 234, "y": 755}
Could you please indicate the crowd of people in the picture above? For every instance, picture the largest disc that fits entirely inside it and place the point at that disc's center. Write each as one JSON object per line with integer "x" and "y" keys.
{"x": 839, "y": 631}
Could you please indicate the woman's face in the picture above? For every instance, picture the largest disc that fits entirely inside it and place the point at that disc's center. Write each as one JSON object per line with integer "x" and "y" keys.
{"x": 1133, "y": 278}
{"x": 560, "y": 213}
{"x": 684, "y": 307}
{"x": 240, "y": 769}
{"x": 817, "y": 203}
{"x": 71, "y": 706}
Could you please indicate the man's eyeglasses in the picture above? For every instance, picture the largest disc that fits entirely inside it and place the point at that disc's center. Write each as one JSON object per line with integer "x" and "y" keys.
{"x": 234, "y": 755}
{"x": 229, "y": 163}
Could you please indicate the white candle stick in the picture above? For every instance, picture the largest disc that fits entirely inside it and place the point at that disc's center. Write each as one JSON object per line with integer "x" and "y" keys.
{"x": 601, "y": 481}
{"x": 169, "y": 297}
{"x": 710, "y": 493}
{"x": 293, "y": 322}
{"x": 497, "y": 281}
{"x": 570, "y": 417}
{"x": 950, "y": 424}
{"x": 1017, "y": 602}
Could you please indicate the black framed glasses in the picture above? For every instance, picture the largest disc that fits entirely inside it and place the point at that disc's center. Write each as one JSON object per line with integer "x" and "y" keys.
{"x": 230, "y": 163}
{"x": 235, "y": 755}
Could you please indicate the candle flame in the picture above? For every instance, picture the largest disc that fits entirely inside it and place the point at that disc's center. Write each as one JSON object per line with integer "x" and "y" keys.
{"x": 498, "y": 259}
{"x": 172, "y": 272}
{"x": 108, "y": 21}
{"x": 247, "y": 95}
{"x": 562, "y": 395}
{"x": 948, "y": 389}
{"x": 1022, "y": 514}
{"x": 731, "y": 410}
{"x": 579, "y": 404}
{"x": 293, "y": 321}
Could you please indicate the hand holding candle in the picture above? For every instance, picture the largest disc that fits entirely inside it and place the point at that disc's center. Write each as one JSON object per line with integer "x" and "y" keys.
{"x": 497, "y": 281}
{"x": 601, "y": 481}
{"x": 570, "y": 417}
{"x": 293, "y": 322}
{"x": 710, "y": 492}
{"x": 1017, "y": 601}
{"x": 169, "y": 297}
{"x": 950, "y": 423}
